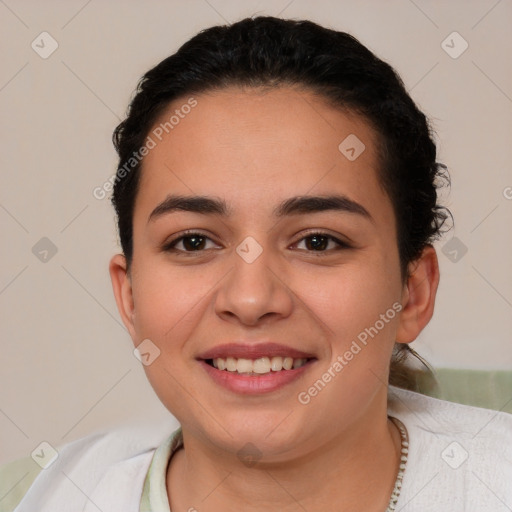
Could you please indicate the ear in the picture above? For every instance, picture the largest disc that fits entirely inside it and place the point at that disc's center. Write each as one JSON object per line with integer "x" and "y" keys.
{"x": 418, "y": 296}
{"x": 121, "y": 284}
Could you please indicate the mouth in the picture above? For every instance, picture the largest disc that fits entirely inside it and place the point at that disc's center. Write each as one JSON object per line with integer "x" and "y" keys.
{"x": 255, "y": 369}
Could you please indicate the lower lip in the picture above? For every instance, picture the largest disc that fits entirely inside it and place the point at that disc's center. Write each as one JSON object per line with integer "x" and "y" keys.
{"x": 254, "y": 385}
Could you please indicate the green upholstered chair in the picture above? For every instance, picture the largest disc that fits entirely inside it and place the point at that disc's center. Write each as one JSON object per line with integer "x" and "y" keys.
{"x": 488, "y": 389}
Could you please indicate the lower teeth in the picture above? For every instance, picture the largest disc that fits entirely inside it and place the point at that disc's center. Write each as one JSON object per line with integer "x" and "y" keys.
{"x": 250, "y": 374}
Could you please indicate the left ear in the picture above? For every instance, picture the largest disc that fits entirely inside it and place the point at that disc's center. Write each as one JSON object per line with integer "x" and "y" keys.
{"x": 418, "y": 296}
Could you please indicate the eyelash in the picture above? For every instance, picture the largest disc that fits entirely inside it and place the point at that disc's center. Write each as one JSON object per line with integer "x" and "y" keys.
{"x": 171, "y": 245}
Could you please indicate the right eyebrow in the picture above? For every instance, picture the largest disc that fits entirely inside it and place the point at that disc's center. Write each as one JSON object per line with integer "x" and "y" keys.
{"x": 195, "y": 204}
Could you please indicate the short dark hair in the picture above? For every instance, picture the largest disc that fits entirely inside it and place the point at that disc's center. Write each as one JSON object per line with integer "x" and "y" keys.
{"x": 271, "y": 52}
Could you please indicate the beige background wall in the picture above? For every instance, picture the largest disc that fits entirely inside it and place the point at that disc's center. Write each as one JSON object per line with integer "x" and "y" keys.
{"x": 67, "y": 366}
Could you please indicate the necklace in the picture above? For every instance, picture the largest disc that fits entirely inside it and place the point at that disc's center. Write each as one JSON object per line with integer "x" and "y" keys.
{"x": 403, "y": 461}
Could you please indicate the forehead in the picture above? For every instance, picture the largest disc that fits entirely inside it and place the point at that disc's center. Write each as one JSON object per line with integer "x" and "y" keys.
{"x": 254, "y": 145}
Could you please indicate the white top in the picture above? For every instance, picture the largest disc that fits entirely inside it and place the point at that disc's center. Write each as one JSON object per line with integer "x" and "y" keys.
{"x": 460, "y": 459}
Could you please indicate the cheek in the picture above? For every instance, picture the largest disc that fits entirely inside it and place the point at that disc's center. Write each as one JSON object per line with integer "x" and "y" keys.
{"x": 167, "y": 300}
{"x": 359, "y": 307}
{"x": 359, "y": 304}
{"x": 169, "y": 304}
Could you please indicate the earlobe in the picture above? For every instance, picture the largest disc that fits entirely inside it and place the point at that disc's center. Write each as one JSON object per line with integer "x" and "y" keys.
{"x": 122, "y": 287}
{"x": 419, "y": 296}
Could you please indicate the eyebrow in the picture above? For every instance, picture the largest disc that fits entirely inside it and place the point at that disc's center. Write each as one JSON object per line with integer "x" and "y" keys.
{"x": 292, "y": 206}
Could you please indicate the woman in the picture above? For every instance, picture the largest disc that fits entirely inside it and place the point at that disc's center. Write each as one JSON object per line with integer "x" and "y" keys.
{"x": 276, "y": 204}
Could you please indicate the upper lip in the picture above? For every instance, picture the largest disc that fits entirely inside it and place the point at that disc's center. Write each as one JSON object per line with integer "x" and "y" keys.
{"x": 253, "y": 351}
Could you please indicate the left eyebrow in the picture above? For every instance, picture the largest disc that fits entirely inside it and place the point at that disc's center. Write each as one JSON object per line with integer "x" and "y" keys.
{"x": 315, "y": 204}
{"x": 293, "y": 206}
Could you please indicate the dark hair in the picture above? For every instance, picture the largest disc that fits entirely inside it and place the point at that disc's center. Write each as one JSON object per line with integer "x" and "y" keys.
{"x": 271, "y": 52}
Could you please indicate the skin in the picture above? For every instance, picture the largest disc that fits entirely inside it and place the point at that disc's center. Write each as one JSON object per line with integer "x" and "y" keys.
{"x": 255, "y": 149}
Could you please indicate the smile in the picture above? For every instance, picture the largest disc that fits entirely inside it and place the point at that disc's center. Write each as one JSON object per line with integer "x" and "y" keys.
{"x": 255, "y": 368}
{"x": 260, "y": 366}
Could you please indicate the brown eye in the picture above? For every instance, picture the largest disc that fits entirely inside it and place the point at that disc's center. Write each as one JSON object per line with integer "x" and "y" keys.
{"x": 322, "y": 242}
{"x": 191, "y": 242}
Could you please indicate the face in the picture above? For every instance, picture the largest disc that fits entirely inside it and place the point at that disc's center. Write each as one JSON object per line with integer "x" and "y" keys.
{"x": 249, "y": 276}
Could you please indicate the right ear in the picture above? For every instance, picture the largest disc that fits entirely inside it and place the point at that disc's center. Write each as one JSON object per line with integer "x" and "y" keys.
{"x": 122, "y": 286}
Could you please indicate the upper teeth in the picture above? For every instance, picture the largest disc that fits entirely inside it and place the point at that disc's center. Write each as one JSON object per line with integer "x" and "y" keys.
{"x": 261, "y": 365}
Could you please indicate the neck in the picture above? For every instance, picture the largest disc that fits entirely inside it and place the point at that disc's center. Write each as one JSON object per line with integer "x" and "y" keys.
{"x": 355, "y": 470}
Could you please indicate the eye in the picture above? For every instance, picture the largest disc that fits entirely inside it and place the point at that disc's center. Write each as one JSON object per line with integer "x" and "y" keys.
{"x": 197, "y": 242}
{"x": 190, "y": 242}
{"x": 319, "y": 242}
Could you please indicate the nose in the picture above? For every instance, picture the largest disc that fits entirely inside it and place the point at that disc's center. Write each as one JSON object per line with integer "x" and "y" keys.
{"x": 254, "y": 292}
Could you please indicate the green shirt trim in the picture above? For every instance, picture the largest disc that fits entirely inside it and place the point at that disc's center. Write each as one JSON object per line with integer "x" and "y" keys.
{"x": 154, "y": 494}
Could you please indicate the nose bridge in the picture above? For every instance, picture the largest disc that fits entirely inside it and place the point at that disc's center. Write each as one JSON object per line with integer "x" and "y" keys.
{"x": 253, "y": 288}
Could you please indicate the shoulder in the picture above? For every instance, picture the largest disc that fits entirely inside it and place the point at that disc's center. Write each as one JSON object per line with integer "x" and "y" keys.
{"x": 444, "y": 417}
{"x": 77, "y": 466}
{"x": 460, "y": 453}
